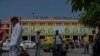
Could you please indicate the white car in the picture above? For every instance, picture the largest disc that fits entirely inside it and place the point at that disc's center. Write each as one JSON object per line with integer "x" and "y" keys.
{"x": 6, "y": 46}
{"x": 29, "y": 44}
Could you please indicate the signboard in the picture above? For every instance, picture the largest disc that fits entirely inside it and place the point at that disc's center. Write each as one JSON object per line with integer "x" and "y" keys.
{"x": 86, "y": 30}
{"x": 75, "y": 30}
{"x": 50, "y": 29}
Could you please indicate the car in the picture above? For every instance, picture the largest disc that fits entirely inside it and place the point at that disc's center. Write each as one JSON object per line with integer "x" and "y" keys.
{"x": 6, "y": 46}
{"x": 29, "y": 44}
{"x": 22, "y": 47}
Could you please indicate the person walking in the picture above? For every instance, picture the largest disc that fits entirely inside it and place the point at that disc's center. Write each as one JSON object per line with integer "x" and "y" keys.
{"x": 93, "y": 44}
{"x": 77, "y": 43}
{"x": 86, "y": 43}
{"x": 96, "y": 45}
{"x": 3, "y": 37}
{"x": 38, "y": 41}
{"x": 15, "y": 38}
{"x": 58, "y": 43}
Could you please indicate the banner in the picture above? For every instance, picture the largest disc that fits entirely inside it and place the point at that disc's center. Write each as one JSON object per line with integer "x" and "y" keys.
{"x": 50, "y": 29}
{"x": 76, "y": 30}
{"x": 86, "y": 30}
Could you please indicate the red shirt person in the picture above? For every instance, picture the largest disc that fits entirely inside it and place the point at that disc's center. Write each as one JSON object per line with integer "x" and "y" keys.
{"x": 2, "y": 38}
{"x": 3, "y": 35}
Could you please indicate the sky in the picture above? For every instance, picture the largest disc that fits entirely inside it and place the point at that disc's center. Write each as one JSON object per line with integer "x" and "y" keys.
{"x": 25, "y": 8}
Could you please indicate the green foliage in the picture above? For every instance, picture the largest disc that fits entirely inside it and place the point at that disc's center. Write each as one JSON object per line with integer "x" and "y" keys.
{"x": 91, "y": 15}
{"x": 78, "y": 5}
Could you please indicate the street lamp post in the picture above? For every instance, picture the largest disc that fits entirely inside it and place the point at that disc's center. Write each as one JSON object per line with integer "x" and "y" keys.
{"x": 33, "y": 14}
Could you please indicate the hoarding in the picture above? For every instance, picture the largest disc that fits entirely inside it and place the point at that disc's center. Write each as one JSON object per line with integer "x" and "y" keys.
{"x": 50, "y": 29}
{"x": 76, "y": 30}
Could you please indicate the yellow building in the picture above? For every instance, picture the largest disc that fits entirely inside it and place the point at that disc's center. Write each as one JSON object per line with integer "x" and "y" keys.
{"x": 47, "y": 26}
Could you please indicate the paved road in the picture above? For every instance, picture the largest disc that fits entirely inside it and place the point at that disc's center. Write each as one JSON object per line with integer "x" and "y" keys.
{"x": 78, "y": 52}
{"x": 32, "y": 53}
{"x": 74, "y": 52}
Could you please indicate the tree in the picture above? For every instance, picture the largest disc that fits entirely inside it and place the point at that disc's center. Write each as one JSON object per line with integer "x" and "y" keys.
{"x": 82, "y": 4}
{"x": 91, "y": 15}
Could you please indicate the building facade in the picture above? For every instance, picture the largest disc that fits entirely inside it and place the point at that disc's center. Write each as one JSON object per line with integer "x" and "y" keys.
{"x": 47, "y": 26}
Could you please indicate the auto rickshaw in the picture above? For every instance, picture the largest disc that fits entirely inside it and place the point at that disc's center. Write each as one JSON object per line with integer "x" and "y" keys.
{"x": 48, "y": 44}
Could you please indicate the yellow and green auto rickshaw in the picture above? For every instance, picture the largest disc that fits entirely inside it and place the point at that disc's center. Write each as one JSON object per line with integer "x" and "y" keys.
{"x": 48, "y": 43}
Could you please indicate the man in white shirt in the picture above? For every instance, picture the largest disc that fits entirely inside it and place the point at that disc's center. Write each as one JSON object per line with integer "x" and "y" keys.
{"x": 58, "y": 43}
{"x": 15, "y": 39}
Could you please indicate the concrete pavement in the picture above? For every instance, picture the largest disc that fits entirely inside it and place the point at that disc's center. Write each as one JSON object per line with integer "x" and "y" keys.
{"x": 72, "y": 52}
{"x": 78, "y": 52}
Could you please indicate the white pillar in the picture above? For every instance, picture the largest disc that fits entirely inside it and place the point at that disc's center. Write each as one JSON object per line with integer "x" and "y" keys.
{"x": 29, "y": 31}
{"x": 78, "y": 37}
{"x": 71, "y": 36}
{"x": 46, "y": 29}
{"x": 79, "y": 29}
{"x": 54, "y": 26}
{"x": 28, "y": 38}
{"x": 37, "y": 26}
{"x": 71, "y": 29}
{"x": 63, "y": 28}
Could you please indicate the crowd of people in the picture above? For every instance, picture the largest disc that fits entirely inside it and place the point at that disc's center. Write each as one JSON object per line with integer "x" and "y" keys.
{"x": 60, "y": 47}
